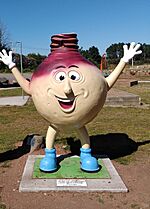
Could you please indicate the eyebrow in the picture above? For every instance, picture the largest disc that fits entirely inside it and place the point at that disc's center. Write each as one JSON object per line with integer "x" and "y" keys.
{"x": 60, "y": 66}
{"x": 73, "y": 66}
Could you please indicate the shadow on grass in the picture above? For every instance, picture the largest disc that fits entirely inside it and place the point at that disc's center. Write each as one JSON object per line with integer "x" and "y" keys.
{"x": 114, "y": 145}
{"x": 18, "y": 152}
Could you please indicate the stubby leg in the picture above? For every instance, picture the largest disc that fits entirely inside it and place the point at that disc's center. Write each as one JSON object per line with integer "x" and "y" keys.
{"x": 88, "y": 163}
{"x": 84, "y": 137}
{"x": 49, "y": 162}
{"x": 50, "y": 137}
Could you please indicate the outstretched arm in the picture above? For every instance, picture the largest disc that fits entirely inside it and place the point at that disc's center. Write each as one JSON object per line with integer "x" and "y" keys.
{"x": 7, "y": 60}
{"x": 128, "y": 54}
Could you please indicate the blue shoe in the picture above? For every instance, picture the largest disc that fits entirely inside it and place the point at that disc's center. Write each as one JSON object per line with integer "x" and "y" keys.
{"x": 88, "y": 163}
{"x": 85, "y": 153}
{"x": 49, "y": 162}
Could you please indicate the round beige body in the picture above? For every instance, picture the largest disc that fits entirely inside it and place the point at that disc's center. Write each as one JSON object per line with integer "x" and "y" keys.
{"x": 69, "y": 97}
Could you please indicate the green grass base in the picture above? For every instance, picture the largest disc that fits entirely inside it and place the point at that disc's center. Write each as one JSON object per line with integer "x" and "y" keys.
{"x": 70, "y": 168}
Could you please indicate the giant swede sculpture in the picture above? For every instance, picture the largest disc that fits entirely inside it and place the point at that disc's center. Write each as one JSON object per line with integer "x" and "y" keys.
{"x": 68, "y": 91}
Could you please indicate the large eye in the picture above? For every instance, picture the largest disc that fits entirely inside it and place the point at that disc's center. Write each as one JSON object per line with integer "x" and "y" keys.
{"x": 74, "y": 75}
{"x": 60, "y": 76}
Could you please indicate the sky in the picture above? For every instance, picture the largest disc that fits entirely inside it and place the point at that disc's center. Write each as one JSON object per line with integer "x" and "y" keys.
{"x": 97, "y": 23}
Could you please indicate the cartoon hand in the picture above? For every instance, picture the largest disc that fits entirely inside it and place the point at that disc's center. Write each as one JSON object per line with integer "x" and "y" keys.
{"x": 131, "y": 52}
{"x": 7, "y": 58}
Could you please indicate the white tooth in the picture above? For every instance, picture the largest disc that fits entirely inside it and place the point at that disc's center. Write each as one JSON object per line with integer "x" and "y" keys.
{"x": 65, "y": 99}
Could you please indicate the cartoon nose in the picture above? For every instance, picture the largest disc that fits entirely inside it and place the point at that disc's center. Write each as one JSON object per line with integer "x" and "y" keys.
{"x": 67, "y": 87}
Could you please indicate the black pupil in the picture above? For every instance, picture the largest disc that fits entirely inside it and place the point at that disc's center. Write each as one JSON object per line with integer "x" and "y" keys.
{"x": 73, "y": 77}
{"x": 61, "y": 77}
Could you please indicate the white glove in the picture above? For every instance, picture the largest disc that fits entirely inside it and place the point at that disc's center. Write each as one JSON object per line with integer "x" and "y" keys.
{"x": 7, "y": 58}
{"x": 131, "y": 52}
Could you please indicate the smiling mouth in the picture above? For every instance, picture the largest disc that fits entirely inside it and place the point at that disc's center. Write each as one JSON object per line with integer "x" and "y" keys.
{"x": 67, "y": 105}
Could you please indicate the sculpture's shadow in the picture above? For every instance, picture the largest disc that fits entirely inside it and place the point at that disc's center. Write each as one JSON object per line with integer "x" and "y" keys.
{"x": 18, "y": 152}
{"x": 113, "y": 145}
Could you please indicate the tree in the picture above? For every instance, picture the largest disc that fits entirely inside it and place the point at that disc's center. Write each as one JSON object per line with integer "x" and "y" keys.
{"x": 146, "y": 52}
{"x": 4, "y": 39}
{"x": 34, "y": 60}
{"x": 92, "y": 54}
{"x": 114, "y": 53}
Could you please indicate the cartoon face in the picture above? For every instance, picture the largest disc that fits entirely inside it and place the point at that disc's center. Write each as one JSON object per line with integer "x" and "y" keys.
{"x": 69, "y": 95}
{"x": 67, "y": 81}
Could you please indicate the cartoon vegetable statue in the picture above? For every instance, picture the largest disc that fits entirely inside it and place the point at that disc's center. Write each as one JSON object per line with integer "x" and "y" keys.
{"x": 68, "y": 91}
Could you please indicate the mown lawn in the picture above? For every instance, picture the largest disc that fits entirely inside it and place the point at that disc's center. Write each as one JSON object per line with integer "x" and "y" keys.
{"x": 11, "y": 92}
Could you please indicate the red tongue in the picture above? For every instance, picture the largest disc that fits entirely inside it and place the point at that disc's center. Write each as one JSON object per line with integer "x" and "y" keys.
{"x": 66, "y": 105}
